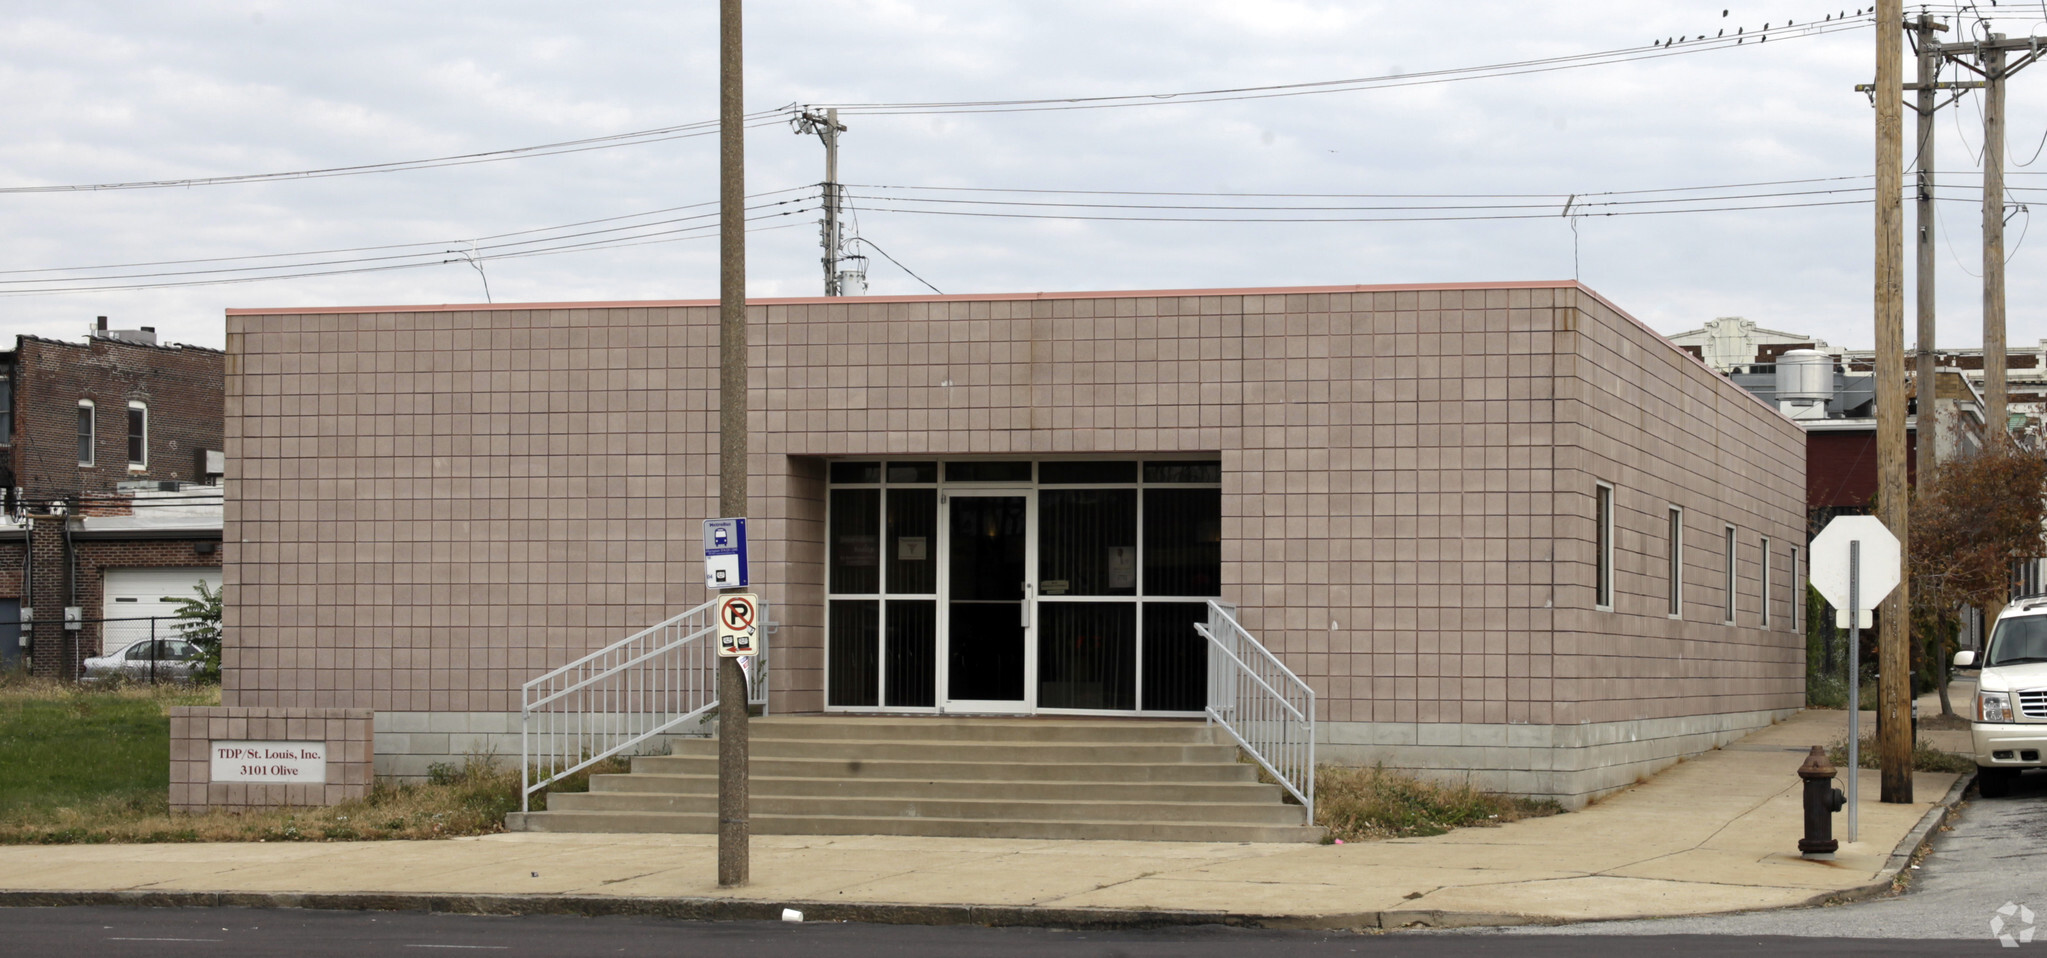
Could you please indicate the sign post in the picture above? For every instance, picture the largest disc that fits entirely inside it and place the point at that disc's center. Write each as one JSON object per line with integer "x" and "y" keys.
{"x": 1855, "y": 563}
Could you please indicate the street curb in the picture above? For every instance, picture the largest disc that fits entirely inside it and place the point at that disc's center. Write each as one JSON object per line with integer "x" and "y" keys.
{"x": 1914, "y": 842}
{"x": 691, "y": 909}
{"x": 745, "y": 909}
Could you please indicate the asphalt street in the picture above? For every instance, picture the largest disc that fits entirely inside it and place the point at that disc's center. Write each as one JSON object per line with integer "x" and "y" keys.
{"x": 1989, "y": 859}
{"x": 234, "y": 933}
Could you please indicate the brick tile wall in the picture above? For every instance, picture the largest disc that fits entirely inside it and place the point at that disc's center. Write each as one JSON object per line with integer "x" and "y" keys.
{"x": 347, "y": 733}
{"x": 432, "y": 506}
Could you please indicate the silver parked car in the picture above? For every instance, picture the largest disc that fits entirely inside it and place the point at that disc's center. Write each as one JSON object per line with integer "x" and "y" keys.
{"x": 141, "y": 660}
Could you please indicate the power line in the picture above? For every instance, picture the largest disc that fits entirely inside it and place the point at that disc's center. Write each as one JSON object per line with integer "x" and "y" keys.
{"x": 1383, "y": 81}
{"x": 391, "y": 246}
{"x": 1359, "y": 219}
{"x": 610, "y": 142}
{"x": 641, "y": 239}
{"x": 884, "y": 255}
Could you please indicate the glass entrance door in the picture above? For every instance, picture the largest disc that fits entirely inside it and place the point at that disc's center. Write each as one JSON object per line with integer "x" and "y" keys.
{"x": 988, "y": 609}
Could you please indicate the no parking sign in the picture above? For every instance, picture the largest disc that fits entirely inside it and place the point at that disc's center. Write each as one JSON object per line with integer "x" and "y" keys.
{"x": 738, "y": 622}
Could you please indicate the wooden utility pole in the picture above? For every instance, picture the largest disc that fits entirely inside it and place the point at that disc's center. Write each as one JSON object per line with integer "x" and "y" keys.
{"x": 1894, "y": 698}
{"x": 827, "y": 127}
{"x": 734, "y": 829}
{"x": 1922, "y": 273}
{"x": 1994, "y": 73}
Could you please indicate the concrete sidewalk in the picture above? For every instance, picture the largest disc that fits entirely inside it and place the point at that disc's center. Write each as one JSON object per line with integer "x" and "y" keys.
{"x": 1716, "y": 833}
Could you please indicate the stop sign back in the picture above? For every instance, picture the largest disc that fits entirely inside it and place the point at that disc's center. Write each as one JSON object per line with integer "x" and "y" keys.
{"x": 1881, "y": 560}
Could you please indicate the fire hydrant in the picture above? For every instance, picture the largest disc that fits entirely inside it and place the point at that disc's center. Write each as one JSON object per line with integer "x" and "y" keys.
{"x": 1822, "y": 800}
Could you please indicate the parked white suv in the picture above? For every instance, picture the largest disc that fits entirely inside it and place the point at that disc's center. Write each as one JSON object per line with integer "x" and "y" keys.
{"x": 2009, "y": 724}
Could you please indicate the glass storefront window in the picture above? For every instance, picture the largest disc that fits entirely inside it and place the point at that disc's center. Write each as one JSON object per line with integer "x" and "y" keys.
{"x": 1087, "y": 542}
{"x": 1122, "y": 558}
{"x": 856, "y": 541}
{"x": 1183, "y": 552}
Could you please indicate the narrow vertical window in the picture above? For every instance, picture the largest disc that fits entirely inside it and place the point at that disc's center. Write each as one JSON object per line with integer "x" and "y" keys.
{"x": 1603, "y": 588}
{"x": 85, "y": 429}
{"x": 6, "y": 407}
{"x": 138, "y": 436}
{"x": 1797, "y": 594}
{"x": 1765, "y": 615}
{"x": 1728, "y": 613}
{"x": 1676, "y": 572}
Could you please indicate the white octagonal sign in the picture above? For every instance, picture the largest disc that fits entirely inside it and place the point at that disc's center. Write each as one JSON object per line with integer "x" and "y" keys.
{"x": 1880, "y": 560}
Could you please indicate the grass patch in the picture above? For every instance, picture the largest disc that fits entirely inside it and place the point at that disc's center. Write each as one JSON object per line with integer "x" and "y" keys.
{"x": 1925, "y": 758}
{"x": 92, "y": 765}
{"x": 62, "y": 745}
{"x": 1358, "y": 804}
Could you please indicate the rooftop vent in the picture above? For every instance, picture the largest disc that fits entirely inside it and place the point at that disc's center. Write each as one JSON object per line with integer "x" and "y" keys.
{"x": 146, "y": 336}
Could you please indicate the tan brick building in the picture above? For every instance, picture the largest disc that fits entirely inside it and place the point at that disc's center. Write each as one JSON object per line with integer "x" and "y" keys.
{"x": 1449, "y": 508}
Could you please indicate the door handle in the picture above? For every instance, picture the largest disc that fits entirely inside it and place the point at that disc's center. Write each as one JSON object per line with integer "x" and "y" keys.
{"x": 1024, "y": 607}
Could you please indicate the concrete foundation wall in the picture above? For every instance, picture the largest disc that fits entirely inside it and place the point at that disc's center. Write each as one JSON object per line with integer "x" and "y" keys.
{"x": 410, "y": 743}
{"x": 1571, "y": 764}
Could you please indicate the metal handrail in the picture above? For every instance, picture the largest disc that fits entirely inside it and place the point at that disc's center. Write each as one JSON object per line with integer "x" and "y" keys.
{"x": 625, "y": 694}
{"x": 1264, "y": 706}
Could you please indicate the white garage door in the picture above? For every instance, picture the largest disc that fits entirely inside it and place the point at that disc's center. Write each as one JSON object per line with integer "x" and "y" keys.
{"x": 139, "y": 593}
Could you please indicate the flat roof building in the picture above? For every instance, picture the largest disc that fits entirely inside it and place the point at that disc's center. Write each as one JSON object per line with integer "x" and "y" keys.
{"x": 1503, "y": 530}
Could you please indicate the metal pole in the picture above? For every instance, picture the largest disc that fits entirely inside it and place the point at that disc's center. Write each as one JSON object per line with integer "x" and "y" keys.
{"x": 1854, "y": 681}
{"x": 733, "y": 825}
{"x": 1894, "y": 734}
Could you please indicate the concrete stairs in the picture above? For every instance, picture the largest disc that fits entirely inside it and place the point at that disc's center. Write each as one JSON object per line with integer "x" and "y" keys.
{"x": 950, "y": 777}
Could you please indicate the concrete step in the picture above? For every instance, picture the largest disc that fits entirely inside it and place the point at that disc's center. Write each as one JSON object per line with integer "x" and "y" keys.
{"x": 945, "y": 729}
{"x": 946, "y": 776}
{"x": 1021, "y": 808}
{"x": 1064, "y": 790}
{"x": 1006, "y": 753}
{"x": 934, "y": 769}
{"x": 766, "y": 824}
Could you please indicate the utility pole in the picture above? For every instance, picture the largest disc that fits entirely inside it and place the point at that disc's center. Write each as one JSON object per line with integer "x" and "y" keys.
{"x": 1994, "y": 68}
{"x": 827, "y": 127}
{"x": 734, "y": 829}
{"x": 1894, "y": 728}
{"x": 1994, "y": 73}
{"x": 1922, "y": 274}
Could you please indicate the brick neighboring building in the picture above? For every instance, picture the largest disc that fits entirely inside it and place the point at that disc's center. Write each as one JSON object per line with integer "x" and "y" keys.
{"x": 128, "y": 388}
{"x": 83, "y": 426}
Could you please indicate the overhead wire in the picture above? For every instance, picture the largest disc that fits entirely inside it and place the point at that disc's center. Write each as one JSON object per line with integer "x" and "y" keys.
{"x": 380, "y": 264}
{"x": 391, "y": 246}
{"x": 1352, "y": 84}
{"x": 609, "y": 142}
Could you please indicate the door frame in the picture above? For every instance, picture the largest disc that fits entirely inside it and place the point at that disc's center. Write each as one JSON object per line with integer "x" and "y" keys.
{"x": 1028, "y": 703}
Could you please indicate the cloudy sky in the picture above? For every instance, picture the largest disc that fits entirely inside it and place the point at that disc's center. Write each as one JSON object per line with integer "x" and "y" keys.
{"x": 1377, "y": 182}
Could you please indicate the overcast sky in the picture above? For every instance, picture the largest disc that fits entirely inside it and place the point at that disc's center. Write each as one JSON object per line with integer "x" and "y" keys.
{"x": 106, "y": 92}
